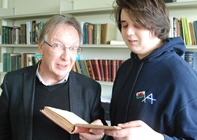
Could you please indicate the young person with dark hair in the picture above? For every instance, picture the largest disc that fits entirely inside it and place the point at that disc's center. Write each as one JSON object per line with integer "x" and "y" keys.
{"x": 154, "y": 95}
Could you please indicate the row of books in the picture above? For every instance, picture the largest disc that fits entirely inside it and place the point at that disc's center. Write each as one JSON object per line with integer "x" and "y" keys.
{"x": 98, "y": 69}
{"x": 97, "y": 33}
{"x": 14, "y": 61}
{"x": 184, "y": 28}
{"x": 26, "y": 33}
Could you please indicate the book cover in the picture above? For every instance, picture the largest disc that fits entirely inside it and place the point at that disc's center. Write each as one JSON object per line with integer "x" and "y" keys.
{"x": 186, "y": 31}
{"x": 108, "y": 33}
{"x": 171, "y": 27}
{"x": 16, "y": 35}
{"x": 97, "y": 33}
{"x": 39, "y": 26}
{"x": 88, "y": 33}
{"x": 70, "y": 121}
{"x": 5, "y": 62}
{"x": 78, "y": 70}
{"x": 90, "y": 69}
{"x": 27, "y": 59}
{"x": 6, "y": 34}
{"x": 192, "y": 34}
{"x": 105, "y": 69}
{"x": 33, "y": 33}
{"x": 101, "y": 69}
{"x": 15, "y": 61}
{"x": 109, "y": 70}
{"x": 85, "y": 68}
{"x": 23, "y": 34}
{"x": 96, "y": 69}
{"x": 113, "y": 69}
{"x": 83, "y": 31}
{"x": 11, "y": 61}
{"x": 28, "y": 32}
{"x": 195, "y": 29}
{"x": 80, "y": 67}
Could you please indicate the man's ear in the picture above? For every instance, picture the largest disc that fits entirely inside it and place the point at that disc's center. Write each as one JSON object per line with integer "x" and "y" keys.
{"x": 40, "y": 48}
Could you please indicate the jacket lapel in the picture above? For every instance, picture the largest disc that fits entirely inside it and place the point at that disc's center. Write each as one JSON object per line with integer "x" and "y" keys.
{"x": 28, "y": 99}
{"x": 75, "y": 93}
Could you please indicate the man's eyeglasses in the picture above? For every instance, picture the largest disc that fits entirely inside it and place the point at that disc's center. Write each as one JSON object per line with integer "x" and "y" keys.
{"x": 61, "y": 47}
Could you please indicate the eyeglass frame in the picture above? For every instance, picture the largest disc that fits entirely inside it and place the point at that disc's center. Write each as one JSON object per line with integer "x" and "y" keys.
{"x": 78, "y": 50}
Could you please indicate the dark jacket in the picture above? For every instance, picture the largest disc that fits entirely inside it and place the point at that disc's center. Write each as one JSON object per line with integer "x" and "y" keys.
{"x": 17, "y": 99}
{"x": 168, "y": 89}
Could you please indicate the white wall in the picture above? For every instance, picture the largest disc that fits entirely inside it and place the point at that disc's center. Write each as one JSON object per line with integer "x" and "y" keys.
{"x": 39, "y": 6}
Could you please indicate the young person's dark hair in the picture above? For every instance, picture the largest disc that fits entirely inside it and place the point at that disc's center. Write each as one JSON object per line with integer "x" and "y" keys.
{"x": 150, "y": 14}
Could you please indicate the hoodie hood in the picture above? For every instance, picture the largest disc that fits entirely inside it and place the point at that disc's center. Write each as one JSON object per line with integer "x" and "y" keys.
{"x": 170, "y": 45}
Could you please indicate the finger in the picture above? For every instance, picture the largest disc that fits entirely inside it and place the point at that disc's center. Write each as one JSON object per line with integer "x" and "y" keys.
{"x": 121, "y": 133}
{"x": 97, "y": 122}
{"x": 97, "y": 131}
{"x": 89, "y": 136}
{"x": 137, "y": 123}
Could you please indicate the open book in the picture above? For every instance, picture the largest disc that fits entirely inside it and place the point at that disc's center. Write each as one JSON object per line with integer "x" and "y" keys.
{"x": 70, "y": 121}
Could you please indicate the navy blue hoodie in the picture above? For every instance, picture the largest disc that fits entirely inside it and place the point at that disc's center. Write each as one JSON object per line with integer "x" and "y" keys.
{"x": 160, "y": 89}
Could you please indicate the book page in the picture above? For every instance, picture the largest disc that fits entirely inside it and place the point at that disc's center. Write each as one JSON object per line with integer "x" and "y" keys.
{"x": 70, "y": 116}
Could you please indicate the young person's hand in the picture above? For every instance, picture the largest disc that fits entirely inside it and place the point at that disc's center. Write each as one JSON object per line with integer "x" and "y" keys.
{"x": 134, "y": 130}
{"x": 94, "y": 134}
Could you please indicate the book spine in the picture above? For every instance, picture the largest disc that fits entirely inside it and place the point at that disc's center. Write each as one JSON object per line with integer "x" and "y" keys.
{"x": 8, "y": 62}
{"x": 101, "y": 69}
{"x": 3, "y": 34}
{"x": 28, "y": 32}
{"x": 80, "y": 67}
{"x": 109, "y": 70}
{"x": 90, "y": 69}
{"x": 113, "y": 70}
{"x": 5, "y": 62}
{"x": 34, "y": 32}
{"x": 23, "y": 33}
{"x": 106, "y": 69}
{"x": 86, "y": 68}
{"x": 96, "y": 69}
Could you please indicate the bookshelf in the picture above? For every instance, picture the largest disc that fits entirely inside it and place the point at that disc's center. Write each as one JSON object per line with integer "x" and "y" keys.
{"x": 94, "y": 15}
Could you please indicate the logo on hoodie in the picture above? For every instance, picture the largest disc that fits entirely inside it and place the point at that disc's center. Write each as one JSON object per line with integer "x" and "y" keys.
{"x": 150, "y": 98}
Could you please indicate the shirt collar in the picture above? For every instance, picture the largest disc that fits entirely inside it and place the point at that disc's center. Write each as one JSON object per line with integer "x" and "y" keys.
{"x": 47, "y": 84}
